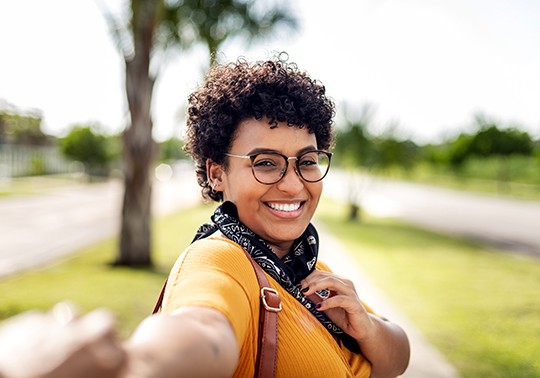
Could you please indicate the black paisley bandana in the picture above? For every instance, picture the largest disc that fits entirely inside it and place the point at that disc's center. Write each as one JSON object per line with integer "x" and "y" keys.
{"x": 288, "y": 272}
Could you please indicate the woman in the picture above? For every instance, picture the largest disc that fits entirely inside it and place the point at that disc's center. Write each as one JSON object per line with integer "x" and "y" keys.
{"x": 259, "y": 134}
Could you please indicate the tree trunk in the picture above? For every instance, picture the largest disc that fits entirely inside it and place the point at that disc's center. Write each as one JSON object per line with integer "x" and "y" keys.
{"x": 354, "y": 212}
{"x": 139, "y": 147}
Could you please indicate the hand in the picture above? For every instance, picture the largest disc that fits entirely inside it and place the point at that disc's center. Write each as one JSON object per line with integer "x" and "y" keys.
{"x": 60, "y": 344}
{"x": 342, "y": 306}
{"x": 382, "y": 342}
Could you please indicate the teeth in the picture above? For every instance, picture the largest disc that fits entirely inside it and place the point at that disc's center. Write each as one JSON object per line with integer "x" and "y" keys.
{"x": 285, "y": 206}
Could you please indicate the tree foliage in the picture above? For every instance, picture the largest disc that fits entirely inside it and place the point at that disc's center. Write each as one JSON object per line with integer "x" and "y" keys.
{"x": 91, "y": 148}
{"x": 391, "y": 151}
{"x": 353, "y": 145}
{"x": 216, "y": 21}
{"x": 490, "y": 140}
{"x": 356, "y": 147}
{"x": 171, "y": 149}
{"x": 22, "y": 128}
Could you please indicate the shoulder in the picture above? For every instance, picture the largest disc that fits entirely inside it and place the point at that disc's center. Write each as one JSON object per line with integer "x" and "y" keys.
{"x": 220, "y": 264}
{"x": 215, "y": 247}
{"x": 215, "y": 254}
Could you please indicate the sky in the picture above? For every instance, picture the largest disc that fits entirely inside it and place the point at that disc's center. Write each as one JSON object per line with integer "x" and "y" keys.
{"x": 424, "y": 68}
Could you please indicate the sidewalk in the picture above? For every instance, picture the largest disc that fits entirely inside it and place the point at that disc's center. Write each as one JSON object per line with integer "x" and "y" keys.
{"x": 426, "y": 361}
{"x": 37, "y": 230}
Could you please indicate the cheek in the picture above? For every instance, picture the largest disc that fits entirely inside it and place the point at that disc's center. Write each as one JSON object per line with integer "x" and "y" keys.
{"x": 315, "y": 190}
{"x": 241, "y": 187}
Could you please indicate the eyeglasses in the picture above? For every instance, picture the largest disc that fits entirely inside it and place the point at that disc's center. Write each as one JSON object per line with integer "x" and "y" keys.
{"x": 270, "y": 167}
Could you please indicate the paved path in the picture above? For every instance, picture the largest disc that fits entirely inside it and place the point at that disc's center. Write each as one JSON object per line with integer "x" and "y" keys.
{"x": 507, "y": 223}
{"x": 37, "y": 230}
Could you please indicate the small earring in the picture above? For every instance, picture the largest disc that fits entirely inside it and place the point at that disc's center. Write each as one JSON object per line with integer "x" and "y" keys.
{"x": 214, "y": 186}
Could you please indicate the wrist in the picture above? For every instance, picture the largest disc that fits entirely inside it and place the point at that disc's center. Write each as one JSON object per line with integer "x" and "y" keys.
{"x": 369, "y": 331}
{"x": 142, "y": 364}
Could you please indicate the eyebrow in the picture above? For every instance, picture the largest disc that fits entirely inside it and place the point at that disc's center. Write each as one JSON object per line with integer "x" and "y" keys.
{"x": 267, "y": 150}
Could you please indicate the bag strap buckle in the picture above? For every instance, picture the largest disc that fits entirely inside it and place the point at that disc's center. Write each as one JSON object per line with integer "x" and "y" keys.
{"x": 270, "y": 299}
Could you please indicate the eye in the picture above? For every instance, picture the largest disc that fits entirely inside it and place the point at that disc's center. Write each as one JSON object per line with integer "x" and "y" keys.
{"x": 266, "y": 161}
{"x": 309, "y": 160}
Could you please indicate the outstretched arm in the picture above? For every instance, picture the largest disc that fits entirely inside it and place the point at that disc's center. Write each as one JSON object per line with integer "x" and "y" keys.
{"x": 191, "y": 342}
{"x": 382, "y": 342}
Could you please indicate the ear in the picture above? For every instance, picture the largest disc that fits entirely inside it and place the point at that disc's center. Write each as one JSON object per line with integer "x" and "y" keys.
{"x": 214, "y": 171}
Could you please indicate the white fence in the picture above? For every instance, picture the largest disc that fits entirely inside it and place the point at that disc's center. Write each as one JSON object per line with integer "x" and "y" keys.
{"x": 20, "y": 160}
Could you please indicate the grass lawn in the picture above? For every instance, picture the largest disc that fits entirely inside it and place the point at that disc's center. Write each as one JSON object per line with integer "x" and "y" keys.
{"x": 22, "y": 186}
{"x": 479, "y": 306}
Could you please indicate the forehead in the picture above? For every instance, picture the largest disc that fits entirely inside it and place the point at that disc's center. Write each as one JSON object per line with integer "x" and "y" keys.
{"x": 254, "y": 134}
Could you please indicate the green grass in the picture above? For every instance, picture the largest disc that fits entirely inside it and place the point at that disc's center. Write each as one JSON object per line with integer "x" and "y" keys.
{"x": 479, "y": 306}
{"x": 32, "y": 185}
{"x": 514, "y": 176}
{"x": 479, "y": 185}
{"x": 88, "y": 280}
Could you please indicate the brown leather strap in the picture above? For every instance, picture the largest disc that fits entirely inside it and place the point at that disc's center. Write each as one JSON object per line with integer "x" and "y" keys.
{"x": 160, "y": 299}
{"x": 268, "y": 323}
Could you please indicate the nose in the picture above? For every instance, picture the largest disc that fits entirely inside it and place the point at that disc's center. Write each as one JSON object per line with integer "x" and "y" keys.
{"x": 291, "y": 181}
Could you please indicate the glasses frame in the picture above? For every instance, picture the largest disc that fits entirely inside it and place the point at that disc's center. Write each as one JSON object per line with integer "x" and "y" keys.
{"x": 297, "y": 169}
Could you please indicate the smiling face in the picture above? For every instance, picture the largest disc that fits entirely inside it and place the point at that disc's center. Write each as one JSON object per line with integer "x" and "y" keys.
{"x": 279, "y": 213}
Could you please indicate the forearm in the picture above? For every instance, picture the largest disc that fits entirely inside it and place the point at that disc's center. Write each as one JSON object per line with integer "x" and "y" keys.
{"x": 386, "y": 347}
{"x": 195, "y": 342}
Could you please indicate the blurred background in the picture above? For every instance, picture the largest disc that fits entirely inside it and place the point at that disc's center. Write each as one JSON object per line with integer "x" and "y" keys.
{"x": 435, "y": 183}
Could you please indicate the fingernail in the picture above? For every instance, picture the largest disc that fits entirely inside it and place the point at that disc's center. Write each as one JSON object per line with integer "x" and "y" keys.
{"x": 305, "y": 289}
{"x": 318, "y": 305}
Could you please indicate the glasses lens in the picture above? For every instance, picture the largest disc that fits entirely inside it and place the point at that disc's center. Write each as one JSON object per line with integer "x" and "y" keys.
{"x": 268, "y": 168}
{"x": 313, "y": 165}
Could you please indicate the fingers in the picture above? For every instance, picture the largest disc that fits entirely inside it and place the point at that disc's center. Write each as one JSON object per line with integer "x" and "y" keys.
{"x": 60, "y": 343}
{"x": 326, "y": 285}
{"x": 329, "y": 291}
{"x": 64, "y": 312}
{"x": 342, "y": 304}
{"x": 97, "y": 329}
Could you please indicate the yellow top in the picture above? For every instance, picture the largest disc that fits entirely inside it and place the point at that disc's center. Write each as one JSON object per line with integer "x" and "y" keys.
{"x": 215, "y": 272}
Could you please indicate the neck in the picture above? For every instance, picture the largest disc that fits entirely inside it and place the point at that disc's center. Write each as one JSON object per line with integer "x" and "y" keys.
{"x": 280, "y": 250}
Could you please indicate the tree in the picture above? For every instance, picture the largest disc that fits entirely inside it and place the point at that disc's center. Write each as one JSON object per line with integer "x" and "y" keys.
{"x": 146, "y": 32}
{"x": 22, "y": 128}
{"x": 390, "y": 151}
{"x": 354, "y": 149}
{"x": 490, "y": 140}
{"x": 88, "y": 147}
{"x": 171, "y": 149}
{"x": 217, "y": 21}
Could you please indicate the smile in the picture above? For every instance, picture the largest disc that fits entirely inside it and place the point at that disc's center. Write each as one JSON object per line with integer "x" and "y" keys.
{"x": 286, "y": 207}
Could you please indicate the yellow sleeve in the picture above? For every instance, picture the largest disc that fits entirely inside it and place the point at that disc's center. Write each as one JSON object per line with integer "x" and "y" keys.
{"x": 215, "y": 273}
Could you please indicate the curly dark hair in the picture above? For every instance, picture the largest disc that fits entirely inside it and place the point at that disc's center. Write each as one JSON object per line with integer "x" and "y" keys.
{"x": 237, "y": 91}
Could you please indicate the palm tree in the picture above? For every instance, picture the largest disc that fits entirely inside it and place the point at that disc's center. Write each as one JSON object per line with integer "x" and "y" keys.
{"x": 218, "y": 21}
{"x": 144, "y": 33}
